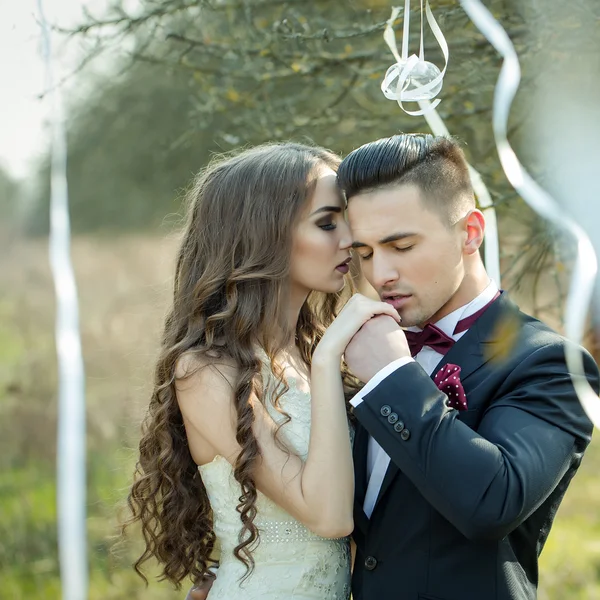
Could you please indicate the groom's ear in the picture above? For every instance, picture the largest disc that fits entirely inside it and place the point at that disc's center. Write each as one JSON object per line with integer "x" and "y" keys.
{"x": 474, "y": 224}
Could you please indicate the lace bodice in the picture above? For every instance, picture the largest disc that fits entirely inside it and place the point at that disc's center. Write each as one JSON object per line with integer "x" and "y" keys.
{"x": 291, "y": 562}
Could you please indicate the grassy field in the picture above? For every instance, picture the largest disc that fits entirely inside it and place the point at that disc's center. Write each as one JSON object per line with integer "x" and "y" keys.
{"x": 123, "y": 288}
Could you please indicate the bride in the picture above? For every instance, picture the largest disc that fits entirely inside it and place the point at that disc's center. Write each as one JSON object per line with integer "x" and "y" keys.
{"x": 246, "y": 446}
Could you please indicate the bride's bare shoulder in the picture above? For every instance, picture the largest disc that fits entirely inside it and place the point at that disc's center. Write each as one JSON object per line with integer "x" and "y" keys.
{"x": 204, "y": 369}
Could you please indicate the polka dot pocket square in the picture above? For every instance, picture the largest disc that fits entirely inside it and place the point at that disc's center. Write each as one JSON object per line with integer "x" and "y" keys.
{"x": 448, "y": 381}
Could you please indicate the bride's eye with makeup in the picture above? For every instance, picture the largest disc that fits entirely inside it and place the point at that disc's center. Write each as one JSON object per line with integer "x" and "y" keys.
{"x": 326, "y": 224}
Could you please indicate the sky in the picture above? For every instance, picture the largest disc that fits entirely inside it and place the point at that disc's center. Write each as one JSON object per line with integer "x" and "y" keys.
{"x": 23, "y": 114}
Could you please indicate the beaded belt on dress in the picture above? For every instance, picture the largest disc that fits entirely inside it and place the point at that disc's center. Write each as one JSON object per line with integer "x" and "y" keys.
{"x": 286, "y": 531}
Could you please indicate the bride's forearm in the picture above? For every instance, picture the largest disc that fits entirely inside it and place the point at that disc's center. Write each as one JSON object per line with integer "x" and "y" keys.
{"x": 328, "y": 475}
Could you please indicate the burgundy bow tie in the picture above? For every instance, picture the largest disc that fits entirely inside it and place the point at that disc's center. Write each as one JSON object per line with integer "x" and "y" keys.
{"x": 433, "y": 337}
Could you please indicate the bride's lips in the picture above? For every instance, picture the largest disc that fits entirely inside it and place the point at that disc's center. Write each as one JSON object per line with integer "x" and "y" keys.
{"x": 344, "y": 267}
{"x": 397, "y": 300}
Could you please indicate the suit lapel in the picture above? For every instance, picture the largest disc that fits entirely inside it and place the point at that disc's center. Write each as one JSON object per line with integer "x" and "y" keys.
{"x": 467, "y": 353}
{"x": 359, "y": 452}
{"x": 390, "y": 475}
{"x": 472, "y": 351}
{"x": 480, "y": 343}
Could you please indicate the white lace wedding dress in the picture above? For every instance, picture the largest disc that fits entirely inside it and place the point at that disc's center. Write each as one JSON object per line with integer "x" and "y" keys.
{"x": 291, "y": 562}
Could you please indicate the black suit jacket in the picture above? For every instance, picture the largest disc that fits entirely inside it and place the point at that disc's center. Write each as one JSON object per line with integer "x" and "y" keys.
{"x": 470, "y": 496}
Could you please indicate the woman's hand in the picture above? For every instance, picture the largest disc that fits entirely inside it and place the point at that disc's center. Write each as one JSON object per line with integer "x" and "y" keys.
{"x": 353, "y": 316}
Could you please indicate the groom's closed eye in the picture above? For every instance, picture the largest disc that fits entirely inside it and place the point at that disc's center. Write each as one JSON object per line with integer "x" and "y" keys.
{"x": 365, "y": 254}
{"x": 365, "y": 250}
{"x": 368, "y": 255}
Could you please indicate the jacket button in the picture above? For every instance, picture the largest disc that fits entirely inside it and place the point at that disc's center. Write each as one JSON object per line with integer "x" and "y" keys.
{"x": 370, "y": 563}
{"x": 385, "y": 410}
{"x": 399, "y": 426}
{"x": 405, "y": 434}
{"x": 392, "y": 418}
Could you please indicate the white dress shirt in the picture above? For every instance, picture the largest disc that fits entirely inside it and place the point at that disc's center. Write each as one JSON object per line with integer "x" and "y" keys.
{"x": 377, "y": 459}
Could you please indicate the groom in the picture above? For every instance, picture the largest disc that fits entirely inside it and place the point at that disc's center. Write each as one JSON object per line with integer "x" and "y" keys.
{"x": 466, "y": 443}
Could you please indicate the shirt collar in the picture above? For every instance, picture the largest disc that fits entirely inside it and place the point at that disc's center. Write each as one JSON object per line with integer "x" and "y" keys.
{"x": 448, "y": 323}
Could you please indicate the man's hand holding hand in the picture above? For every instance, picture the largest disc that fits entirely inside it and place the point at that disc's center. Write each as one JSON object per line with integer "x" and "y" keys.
{"x": 379, "y": 342}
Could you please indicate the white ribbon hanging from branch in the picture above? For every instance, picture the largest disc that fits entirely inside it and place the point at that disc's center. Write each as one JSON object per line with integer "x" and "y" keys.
{"x": 586, "y": 265}
{"x": 412, "y": 78}
{"x": 71, "y": 478}
{"x": 438, "y": 127}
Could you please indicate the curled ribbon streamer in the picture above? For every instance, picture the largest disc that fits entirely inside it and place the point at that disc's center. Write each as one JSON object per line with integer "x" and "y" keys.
{"x": 403, "y": 70}
{"x": 586, "y": 265}
{"x": 71, "y": 496}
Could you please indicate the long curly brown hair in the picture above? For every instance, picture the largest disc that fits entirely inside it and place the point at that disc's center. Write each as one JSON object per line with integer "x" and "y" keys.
{"x": 229, "y": 287}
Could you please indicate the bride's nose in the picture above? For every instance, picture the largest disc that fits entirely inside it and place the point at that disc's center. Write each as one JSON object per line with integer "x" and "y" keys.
{"x": 345, "y": 235}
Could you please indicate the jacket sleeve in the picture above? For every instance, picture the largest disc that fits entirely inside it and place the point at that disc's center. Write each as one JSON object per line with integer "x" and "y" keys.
{"x": 485, "y": 482}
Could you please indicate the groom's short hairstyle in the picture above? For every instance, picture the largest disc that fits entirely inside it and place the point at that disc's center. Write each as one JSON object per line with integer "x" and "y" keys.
{"x": 437, "y": 165}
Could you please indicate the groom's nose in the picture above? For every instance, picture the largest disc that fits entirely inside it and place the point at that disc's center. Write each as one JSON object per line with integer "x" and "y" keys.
{"x": 383, "y": 272}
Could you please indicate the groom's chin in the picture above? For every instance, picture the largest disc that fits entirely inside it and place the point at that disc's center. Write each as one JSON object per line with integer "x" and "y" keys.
{"x": 409, "y": 319}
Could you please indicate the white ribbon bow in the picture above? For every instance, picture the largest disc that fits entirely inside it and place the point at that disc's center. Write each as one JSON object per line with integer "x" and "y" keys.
{"x": 412, "y": 78}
